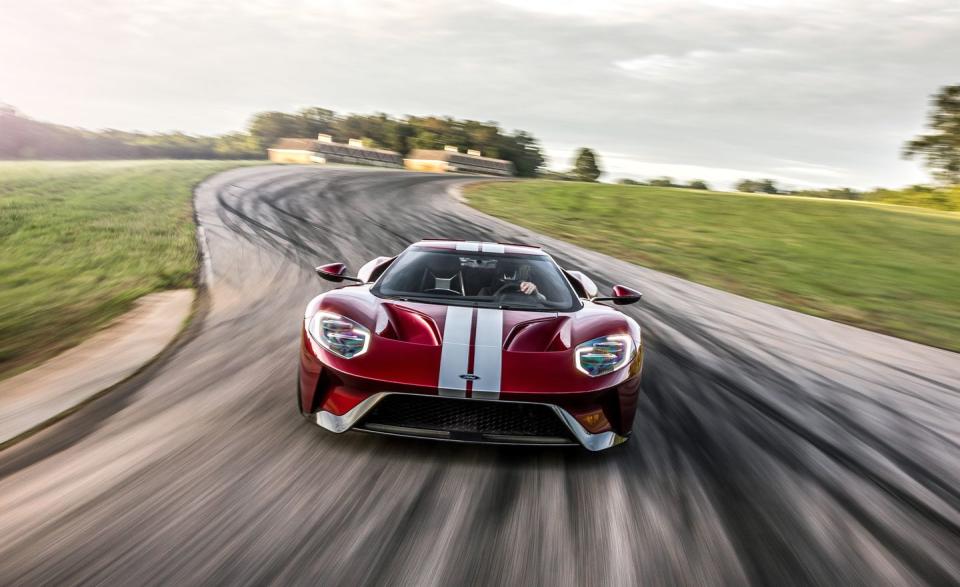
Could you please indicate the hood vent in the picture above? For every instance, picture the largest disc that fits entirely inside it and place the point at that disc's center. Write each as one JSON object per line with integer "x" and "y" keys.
{"x": 543, "y": 335}
{"x": 401, "y": 323}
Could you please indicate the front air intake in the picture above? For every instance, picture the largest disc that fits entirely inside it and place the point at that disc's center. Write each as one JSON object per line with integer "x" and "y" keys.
{"x": 467, "y": 419}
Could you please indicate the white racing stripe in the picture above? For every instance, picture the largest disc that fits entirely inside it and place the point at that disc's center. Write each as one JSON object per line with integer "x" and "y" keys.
{"x": 487, "y": 354}
{"x": 455, "y": 353}
{"x": 491, "y": 248}
{"x": 468, "y": 247}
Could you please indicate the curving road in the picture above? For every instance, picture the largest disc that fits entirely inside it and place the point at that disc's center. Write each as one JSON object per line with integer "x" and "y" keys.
{"x": 771, "y": 448}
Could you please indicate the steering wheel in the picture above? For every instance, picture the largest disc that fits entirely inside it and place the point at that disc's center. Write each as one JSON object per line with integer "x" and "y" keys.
{"x": 510, "y": 287}
{"x": 443, "y": 290}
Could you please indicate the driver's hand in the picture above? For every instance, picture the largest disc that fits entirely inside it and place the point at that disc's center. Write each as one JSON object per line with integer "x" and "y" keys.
{"x": 528, "y": 288}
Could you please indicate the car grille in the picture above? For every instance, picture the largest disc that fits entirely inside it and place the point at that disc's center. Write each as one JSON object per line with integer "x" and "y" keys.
{"x": 465, "y": 419}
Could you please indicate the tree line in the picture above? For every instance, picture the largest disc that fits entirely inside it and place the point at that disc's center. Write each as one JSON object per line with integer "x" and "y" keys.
{"x": 667, "y": 182}
{"x": 22, "y": 137}
{"x": 939, "y": 148}
{"x": 403, "y": 134}
{"x": 937, "y": 197}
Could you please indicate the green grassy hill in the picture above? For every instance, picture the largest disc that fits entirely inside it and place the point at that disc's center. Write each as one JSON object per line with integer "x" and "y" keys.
{"x": 885, "y": 268}
{"x": 81, "y": 241}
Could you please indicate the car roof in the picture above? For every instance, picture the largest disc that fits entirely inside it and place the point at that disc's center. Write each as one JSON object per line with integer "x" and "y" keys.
{"x": 478, "y": 246}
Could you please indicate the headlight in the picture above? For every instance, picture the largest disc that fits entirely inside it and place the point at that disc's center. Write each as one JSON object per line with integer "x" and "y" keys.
{"x": 604, "y": 355}
{"x": 341, "y": 336}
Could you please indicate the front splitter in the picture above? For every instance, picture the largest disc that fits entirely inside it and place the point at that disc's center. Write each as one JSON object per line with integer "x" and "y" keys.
{"x": 345, "y": 422}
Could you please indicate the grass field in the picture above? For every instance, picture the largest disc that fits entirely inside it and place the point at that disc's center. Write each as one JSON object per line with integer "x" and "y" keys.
{"x": 885, "y": 268}
{"x": 81, "y": 241}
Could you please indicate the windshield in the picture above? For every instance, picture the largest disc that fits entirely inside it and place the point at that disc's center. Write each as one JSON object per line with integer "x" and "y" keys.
{"x": 486, "y": 280}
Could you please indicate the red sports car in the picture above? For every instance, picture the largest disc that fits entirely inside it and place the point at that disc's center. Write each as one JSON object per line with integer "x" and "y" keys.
{"x": 471, "y": 342}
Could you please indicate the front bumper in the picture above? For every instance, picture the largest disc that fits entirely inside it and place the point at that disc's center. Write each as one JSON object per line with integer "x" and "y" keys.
{"x": 334, "y": 395}
{"x": 355, "y": 419}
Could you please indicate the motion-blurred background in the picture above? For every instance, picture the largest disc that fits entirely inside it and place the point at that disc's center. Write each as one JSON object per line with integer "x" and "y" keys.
{"x": 802, "y": 155}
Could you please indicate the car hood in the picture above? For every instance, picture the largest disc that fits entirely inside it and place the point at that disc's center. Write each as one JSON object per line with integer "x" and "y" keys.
{"x": 479, "y": 350}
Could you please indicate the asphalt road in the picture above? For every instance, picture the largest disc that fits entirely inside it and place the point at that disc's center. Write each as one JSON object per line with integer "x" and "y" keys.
{"x": 771, "y": 448}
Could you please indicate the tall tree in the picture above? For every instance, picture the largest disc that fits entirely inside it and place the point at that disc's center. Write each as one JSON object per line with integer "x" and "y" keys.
{"x": 523, "y": 150}
{"x": 940, "y": 148}
{"x": 768, "y": 186}
{"x": 315, "y": 120}
{"x": 267, "y": 127}
{"x": 586, "y": 166}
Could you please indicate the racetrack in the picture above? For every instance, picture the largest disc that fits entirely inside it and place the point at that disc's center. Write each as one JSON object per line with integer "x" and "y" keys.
{"x": 771, "y": 447}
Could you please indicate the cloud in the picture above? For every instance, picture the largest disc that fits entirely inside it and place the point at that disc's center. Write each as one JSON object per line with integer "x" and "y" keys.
{"x": 698, "y": 66}
{"x": 709, "y": 86}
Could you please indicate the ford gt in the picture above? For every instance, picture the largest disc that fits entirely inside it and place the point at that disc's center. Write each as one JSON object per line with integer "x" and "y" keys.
{"x": 471, "y": 342}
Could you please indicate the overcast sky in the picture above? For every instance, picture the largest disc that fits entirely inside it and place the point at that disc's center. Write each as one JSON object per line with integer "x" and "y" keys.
{"x": 810, "y": 93}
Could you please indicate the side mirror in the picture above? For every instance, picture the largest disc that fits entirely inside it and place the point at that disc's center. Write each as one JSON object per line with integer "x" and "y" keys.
{"x": 621, "y": 296}
{"x": 335, "y": 272}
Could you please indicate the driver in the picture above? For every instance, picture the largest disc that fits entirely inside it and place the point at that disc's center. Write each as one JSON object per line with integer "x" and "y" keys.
{"x": 530, "y": 288}
{"x": 521, "y": 274}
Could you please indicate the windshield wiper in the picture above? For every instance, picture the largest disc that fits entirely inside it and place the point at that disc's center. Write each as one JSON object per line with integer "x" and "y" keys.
{"x": 459, "y": 301}
{"x": 443, "y": 301}
{"x": 520, "y": 307}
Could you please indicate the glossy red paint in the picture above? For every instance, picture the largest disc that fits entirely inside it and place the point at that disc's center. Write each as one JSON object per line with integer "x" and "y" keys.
{"x": 404, "y": 355}
{"x": 552, "y": 333}
{"x": 332, "y": 272}
{"x": 623, "y": 295}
